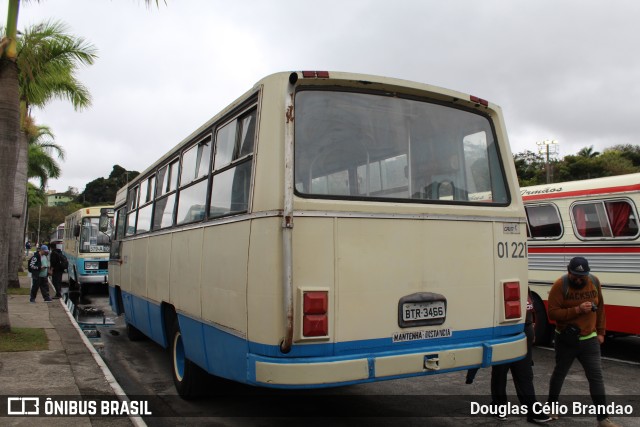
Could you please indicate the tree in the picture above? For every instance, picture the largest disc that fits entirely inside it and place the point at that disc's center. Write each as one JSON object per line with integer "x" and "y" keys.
{"x": 588, "y": 152}
{"x": 47, "y": 60}
{"x": 9, "y": 132}
{"x": 41, "y": 163}
{"x": 530, "y": 168}
{"x": 9, "y": 144}
{"x": 45, "y": 219}
{"x": 631, "y": 152}
{"x": 103, "y": 191}
{"x": 36, "y": 196}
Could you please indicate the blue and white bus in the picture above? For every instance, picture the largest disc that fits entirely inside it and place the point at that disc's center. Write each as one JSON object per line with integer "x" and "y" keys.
{"x": 328, "y": 229}
{"x": 87, "y": 248}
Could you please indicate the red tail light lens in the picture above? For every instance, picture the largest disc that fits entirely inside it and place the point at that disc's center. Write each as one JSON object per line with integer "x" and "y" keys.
{"x": 315, "y": 74}
{"x": 512, "y": 309}
{"x": 479, "y": 100}
{"x": 315, "y": 322}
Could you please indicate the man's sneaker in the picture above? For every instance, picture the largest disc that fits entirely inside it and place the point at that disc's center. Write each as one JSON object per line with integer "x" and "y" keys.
{"x": 32, "y": 300}
{"x": 539, "y": 418}
{"x": 607, "y": 423}
{"x": 48, "y": 300}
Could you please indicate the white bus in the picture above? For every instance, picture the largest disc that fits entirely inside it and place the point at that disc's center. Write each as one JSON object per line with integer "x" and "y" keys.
{"x": 57, "y": 237}
{"x": 328, "y": 229}
{"x": 86, "y": 248}
{"x": 596, "y": 219}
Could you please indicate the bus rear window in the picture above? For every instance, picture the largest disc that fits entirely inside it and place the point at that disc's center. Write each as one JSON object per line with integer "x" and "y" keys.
{"x": 368, "y": 146}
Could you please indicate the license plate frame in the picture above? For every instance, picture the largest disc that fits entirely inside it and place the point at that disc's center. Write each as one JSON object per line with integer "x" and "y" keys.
{"x": 422, "y": 309}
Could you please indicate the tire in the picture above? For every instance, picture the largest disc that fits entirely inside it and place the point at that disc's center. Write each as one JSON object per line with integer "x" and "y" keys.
{"x": 73, "y": 285}
{"x": 188, "y": 378}
{"x": 543, "y": 329}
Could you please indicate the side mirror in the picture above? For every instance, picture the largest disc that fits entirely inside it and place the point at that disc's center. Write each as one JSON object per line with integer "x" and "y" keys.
{"x": 106, "y": 218}
{"x": 76, "y": 230}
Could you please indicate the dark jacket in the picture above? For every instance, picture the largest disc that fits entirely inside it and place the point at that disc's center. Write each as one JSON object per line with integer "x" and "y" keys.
{"x": 35, "y": 263}
{"x": 57, "y": 260}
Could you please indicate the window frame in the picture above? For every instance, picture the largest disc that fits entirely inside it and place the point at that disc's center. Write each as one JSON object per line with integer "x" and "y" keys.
{"x": 601, "y": 205}
{"x": 559, "y": 216}
{"x": 196, "y": 180}
{"x": 237, "y": 158}
{"x": 173, "y": 160}
{"x": 498, "y": 181}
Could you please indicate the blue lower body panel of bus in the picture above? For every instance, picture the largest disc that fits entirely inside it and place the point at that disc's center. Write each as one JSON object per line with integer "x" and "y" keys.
{"x": 224, "y": 354}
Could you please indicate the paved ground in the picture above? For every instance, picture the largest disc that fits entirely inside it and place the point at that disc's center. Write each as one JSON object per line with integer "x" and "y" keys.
{"x": 67, "y": 370}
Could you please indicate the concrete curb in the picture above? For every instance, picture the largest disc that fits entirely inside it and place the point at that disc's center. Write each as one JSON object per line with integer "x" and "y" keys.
{"x": 113, "y": 383}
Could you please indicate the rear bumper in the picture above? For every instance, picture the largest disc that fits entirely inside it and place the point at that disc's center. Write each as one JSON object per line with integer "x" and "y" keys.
{"x": 93, "y": 278}
{"x": 327, "y": 371}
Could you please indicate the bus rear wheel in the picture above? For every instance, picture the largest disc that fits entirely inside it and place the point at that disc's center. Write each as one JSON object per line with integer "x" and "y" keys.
{"x": 187, "y": 376}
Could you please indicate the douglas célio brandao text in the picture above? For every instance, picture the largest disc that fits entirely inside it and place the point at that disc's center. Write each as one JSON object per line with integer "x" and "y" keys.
{"x": 576, "y": 408}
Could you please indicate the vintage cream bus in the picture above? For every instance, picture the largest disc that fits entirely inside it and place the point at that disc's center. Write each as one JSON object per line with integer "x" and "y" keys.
{"x": 596, "y": 219}
{"x": 327, "y": 229}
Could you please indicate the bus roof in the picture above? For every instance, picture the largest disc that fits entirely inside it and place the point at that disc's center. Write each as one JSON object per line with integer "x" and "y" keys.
{"x": 587, "y": 187}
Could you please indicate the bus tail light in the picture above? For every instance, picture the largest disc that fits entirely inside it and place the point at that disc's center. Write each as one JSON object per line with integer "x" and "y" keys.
{"x": 511, "y": 293}
{"x": 315, "y": 321}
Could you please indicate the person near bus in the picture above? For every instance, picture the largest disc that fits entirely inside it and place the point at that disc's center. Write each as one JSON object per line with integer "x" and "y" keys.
{"x": 522, "y": 374}
{"x": 39, "y": 269}
{"x": 577, "y": 307}
{"x": 58, "y": 265}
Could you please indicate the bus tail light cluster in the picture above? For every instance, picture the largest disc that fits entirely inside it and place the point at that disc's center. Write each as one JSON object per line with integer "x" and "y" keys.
{"x": 315, "y": 307}
{"x": 511, "y": 293}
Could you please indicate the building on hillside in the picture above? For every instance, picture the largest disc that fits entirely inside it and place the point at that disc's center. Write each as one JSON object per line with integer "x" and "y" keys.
{"x": 58, "y": 199}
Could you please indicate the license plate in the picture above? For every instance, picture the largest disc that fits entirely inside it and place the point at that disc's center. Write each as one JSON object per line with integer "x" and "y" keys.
{"x": 423, "y": 310}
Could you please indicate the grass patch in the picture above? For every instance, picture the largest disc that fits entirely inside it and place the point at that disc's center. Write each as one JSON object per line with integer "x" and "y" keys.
{"x": 24, "y": 339}
{"x": 18, "y": 291}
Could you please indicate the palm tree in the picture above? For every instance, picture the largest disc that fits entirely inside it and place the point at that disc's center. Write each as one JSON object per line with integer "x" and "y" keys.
{"x": 47, "y": 61}
{"x": 9, "y": 143}
{"x": 9, "y": 131}
{"x": 41, "y": 162}
{"x": 588, "y": 152}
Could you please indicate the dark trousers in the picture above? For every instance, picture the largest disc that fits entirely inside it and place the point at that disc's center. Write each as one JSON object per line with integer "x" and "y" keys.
{"x": 522, "y": 373}
{"x": 56, "y": 279}
{"x": 588, "y": 353}
{"x": 43, "y": 284}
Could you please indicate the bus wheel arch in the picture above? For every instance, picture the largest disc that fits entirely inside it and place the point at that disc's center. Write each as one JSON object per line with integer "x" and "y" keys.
{"x": 543, "y": 328}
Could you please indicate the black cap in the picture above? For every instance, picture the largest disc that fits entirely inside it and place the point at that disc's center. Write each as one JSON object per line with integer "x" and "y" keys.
{"x": 579, "y": 266}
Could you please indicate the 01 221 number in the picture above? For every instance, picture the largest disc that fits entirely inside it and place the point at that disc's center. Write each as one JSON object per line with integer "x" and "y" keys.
{"x": 512, "y": 250}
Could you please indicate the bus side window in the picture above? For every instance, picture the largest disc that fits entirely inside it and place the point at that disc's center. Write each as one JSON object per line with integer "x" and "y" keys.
{"x": 622, "y": 219}
{"x": 605, "y": 219}
{"x": 543, "y": 222}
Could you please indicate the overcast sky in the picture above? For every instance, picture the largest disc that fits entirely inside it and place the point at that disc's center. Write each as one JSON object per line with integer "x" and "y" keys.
{"x": 562, "y": 70}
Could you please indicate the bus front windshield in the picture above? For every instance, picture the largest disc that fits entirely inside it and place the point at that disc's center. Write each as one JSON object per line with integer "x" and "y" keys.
{"x": 374, "y": 146}
{"x": 91, "y": 238}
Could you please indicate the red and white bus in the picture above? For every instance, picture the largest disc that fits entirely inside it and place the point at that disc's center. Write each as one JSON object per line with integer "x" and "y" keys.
{"x": 596, "y": 219}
